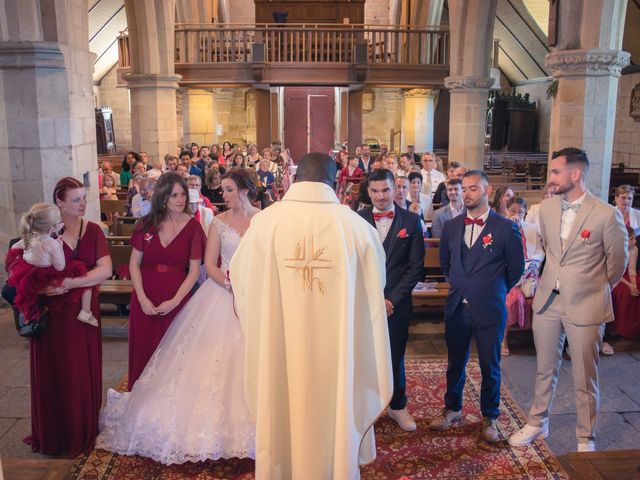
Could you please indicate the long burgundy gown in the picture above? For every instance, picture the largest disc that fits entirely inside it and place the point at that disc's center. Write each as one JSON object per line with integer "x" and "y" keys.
{"x": 66, "y": 367}
{"x": 163, "y": 271}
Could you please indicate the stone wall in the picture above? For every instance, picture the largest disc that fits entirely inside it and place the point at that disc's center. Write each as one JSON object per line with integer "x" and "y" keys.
{"x": 109, "y": 95}
{"x": 242, "y": 11}
{"x": 626, "y": 141}
{"x": 232, "y": 108}
{"x": 376, "y": 12}
{"x": 537, "y": 90}
{"x": 381, "y": 112}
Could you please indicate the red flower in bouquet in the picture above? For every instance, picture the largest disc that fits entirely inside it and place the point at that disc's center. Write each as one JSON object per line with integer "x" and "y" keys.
{"x": 403, "y": 233}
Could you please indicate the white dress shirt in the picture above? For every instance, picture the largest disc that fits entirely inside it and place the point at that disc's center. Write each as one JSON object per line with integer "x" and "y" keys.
{"x": 568, "y": 217}
{"x": 454, "y": 212}
{"x": 566, "y": 223}
{"x": 431, "y": 180}
{"x": 475, "y": 229}
{"x": 384, "y": 224}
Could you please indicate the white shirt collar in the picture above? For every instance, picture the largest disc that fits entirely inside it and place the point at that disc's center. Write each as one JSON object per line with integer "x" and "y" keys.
{"x": 484, "y": 216}
{"x": 392, "y": 208}
{"x": 454, "y": 210}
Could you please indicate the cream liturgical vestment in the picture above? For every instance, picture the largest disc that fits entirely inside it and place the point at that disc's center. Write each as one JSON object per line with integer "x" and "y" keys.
{"x": 308, "y": 279}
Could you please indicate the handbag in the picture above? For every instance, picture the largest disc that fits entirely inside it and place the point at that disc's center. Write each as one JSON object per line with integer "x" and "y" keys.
{"x": 36, "y": 325}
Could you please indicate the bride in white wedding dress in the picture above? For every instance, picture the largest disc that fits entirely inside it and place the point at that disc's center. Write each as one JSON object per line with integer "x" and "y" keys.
{"x": 188, "y": 405}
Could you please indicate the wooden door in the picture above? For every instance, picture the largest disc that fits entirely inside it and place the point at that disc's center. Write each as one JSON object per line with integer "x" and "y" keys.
{"x": 308, "y": 120}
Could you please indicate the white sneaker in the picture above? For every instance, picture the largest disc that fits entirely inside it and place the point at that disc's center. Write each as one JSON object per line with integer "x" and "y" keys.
{"x": 587, "y": 447}
{"x": 404, "y": 420}
{"x": 528, "y": 434}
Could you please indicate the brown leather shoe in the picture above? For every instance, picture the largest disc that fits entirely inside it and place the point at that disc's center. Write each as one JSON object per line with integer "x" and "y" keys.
{"x": 490, "y": 431}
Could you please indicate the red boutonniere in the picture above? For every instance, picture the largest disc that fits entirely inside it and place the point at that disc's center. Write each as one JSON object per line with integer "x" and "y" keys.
{"x": 147, "y": 237}
{"x": 403, "y": 233}
{"x": 585, "y": 235}
{"x": 487, "y": 241}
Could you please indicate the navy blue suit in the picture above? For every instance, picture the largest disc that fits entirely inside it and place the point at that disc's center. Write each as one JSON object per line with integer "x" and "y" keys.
{"x": 404, "y": 267}
{"x": 482, "y": 276}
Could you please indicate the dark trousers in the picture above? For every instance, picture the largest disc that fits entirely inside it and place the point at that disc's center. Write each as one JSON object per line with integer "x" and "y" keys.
{"x": 398, "y": 336}
{"x": 458, "y": 331}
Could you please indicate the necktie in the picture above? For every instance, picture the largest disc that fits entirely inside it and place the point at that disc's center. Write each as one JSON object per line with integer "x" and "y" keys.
{"x": 472, "y": 221}
{"x": 570, "y": 206}
{"x": 378, "y": 216}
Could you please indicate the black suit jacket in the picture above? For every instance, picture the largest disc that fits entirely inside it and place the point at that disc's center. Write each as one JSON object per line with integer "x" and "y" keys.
{"x": 404, "y": 249}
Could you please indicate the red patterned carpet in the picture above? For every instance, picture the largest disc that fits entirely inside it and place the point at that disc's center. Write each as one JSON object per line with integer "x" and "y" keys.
{"x": 456, "y": 454}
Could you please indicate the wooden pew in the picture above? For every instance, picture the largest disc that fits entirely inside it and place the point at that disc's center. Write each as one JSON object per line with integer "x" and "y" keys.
{"x": 113, "y": 206}
{"x": 117, "y": 292}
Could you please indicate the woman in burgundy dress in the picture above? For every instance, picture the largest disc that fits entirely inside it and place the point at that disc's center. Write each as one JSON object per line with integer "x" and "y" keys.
{"x": 66, "y": 359}
{"x": 168, "y": 246}
{"x": 626, "y": 296}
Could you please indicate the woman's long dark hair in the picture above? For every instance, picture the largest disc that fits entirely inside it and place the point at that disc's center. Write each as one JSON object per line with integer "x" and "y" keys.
{"x": 161, "y": 194}
{"x": 497, "y": 198}
{"x": 136, "y": 158}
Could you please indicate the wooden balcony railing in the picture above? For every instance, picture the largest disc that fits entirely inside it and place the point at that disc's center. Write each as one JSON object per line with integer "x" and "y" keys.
{"x": 316, "y": 43}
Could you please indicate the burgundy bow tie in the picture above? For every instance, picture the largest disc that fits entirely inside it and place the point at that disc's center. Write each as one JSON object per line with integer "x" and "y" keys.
{"x": 378, "y": 216}
{"x": 471, "y": 221}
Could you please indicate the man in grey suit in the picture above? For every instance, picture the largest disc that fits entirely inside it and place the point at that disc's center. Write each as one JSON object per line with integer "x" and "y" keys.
{"x": 586, "y": 255}
{"x": 454, "y": 208}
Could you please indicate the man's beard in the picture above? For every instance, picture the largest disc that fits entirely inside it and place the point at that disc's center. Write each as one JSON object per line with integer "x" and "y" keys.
{"x": 563, "y": 189}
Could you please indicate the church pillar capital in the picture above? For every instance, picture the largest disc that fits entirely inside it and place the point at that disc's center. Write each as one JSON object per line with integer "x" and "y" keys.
{"x": 468, "y": 84}
{"x": 31, "y": 54}
{"x": 591, "y": 62}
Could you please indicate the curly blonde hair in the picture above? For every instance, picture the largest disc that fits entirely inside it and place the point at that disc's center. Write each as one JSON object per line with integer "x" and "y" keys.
{"x": 37, "y": 221}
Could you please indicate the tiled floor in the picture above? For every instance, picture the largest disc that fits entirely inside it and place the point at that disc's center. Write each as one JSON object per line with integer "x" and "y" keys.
{"x": 619, "y": 426}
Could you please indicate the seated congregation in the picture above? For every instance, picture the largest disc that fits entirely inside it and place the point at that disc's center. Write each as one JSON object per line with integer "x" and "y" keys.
{"x": 191, "y": 240}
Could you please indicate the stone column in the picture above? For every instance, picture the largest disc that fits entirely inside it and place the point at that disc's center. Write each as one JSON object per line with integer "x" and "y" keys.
{"x": 199, "y": 116}
{"x": 583, "y": 112}
{"x": 468, "y": 119}
{"x": 153, "y": 113}
{"x": 469, "y": 81}
{"x": 152, "y": 81}
{"x": 417, "y": 119}
{"x": 47, "y": 120}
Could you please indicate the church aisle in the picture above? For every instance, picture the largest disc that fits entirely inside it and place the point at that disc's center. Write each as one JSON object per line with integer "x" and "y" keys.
{"x": 619, "y": 426}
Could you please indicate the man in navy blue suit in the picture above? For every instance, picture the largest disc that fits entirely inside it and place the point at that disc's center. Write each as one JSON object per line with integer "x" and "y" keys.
{"x": 401, "y": 235}
{"x": 481, "y": 256}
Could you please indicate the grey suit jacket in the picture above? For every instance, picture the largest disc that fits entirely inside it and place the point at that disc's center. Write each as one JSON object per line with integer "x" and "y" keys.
{"x": 440, "y": 216}
{"x": 589, "y": 267}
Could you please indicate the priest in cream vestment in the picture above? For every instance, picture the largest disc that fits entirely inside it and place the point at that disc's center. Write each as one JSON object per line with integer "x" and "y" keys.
{"x": 308, "y": 279}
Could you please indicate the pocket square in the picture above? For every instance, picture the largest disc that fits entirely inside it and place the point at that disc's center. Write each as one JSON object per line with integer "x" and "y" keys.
{"x": 403, "y": 233}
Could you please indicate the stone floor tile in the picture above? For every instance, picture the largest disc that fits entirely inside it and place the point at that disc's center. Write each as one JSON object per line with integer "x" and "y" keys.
{"x": 16, "y": 403}
{"x": 5, "y": 425}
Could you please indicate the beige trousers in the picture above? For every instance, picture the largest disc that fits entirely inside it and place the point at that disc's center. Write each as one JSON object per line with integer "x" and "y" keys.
{"x": 550, "y": 327}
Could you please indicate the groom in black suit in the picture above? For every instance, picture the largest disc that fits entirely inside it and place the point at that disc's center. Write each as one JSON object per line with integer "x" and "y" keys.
{"x": 401, "y": 235}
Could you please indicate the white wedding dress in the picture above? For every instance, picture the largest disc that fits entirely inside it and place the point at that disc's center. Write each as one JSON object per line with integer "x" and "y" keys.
{"x": 188, "y": 405}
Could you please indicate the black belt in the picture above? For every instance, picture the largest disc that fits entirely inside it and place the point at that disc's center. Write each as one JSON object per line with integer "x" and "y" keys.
{"x": 556, "y": 291}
